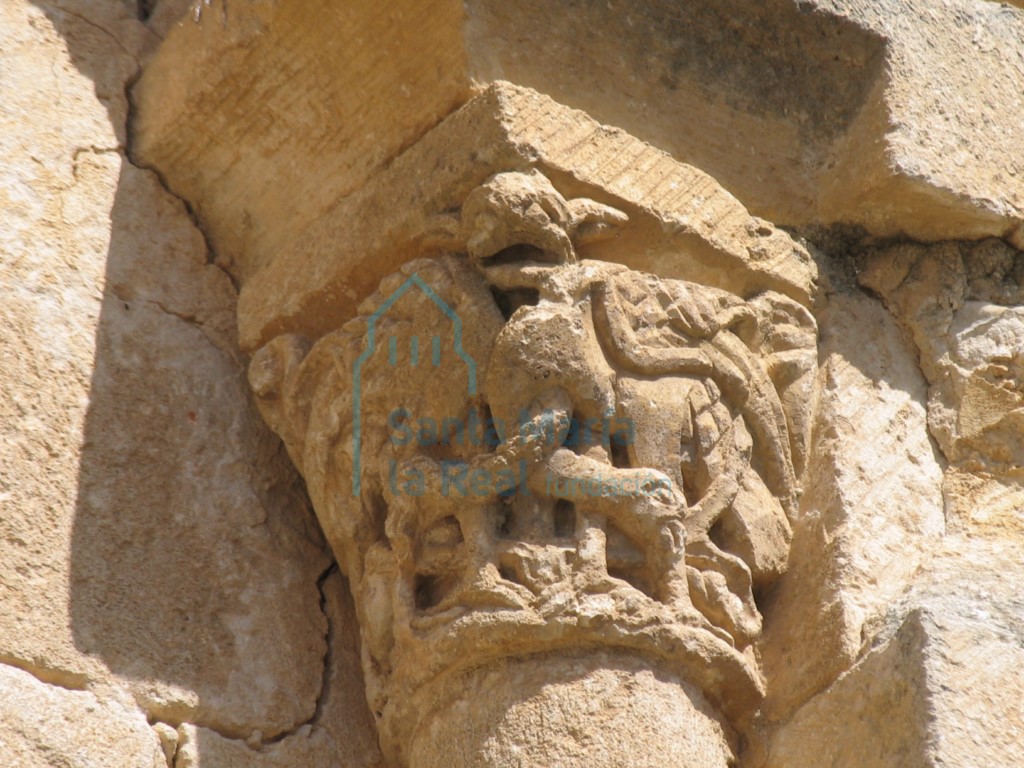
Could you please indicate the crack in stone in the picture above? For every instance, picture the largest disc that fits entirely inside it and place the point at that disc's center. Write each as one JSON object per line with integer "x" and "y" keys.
{"x": 329, "y": 639}
{"x": 328, "y": 662}
{"x": 144, "y": 9}
{"x": 100, "y": 29}
{"x": 69, "y": 681}
{"x": 258, "y": 744}
{"x": 190, "y": 320}
{"x": 128, "y": 154}
{"x": 79, "y": 682}
{"x": 255, "y": 744}
{"x": 184, "y": 317}
{"x": 172, "y": 756}
{"x": 172, "y": 759}
{"x": 211, "y": 256}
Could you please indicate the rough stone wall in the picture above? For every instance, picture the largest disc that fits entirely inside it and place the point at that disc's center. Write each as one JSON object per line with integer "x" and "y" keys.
{"x": 166, "y": 595}
{"x": 163, "y": 585}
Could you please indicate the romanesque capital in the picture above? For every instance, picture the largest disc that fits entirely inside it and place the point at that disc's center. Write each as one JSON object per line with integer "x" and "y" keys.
{"x": 556, "y": 481}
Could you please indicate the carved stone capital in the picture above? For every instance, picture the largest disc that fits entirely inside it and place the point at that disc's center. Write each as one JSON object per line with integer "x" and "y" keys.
{"x": 557, "y": 456}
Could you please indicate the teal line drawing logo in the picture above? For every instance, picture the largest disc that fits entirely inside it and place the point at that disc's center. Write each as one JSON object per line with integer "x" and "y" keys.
{"x": 371, "y": 347}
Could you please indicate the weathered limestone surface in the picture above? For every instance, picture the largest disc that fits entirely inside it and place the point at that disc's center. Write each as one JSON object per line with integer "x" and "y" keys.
{"x": 351, "y": 84}
{"x": 684, "y": 224}
{"x": 580, "y": 707}
{"x": 340, "y": 732}
{"x": 154, "y": 546}
{"x": 43, "y": 726}
{"x": 872, "y": 508}
{"x": 962, "y": 305}
{"x": 829, "y": 111}
{"x": 901, "y": 116}
{"x": 55, "y": 235}
{"x": 163, "y": 15}
{"x": 946, "y": 689}
{"x": 933, "y": 151}
{"x": 941, "y": 683}
{"x": 842, "y": 586}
